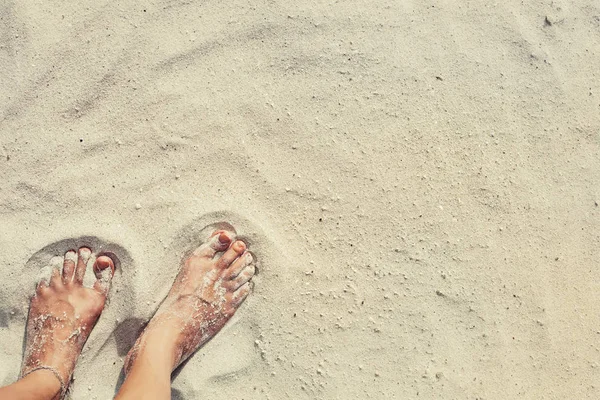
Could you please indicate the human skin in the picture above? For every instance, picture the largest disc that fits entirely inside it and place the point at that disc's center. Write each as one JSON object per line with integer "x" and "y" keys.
{"x": 62, "y": 314}
{"x": 211, "y": 285}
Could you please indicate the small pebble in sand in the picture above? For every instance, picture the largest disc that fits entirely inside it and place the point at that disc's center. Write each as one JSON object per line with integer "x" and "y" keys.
{"x": 550, "y": 20}
{"x": 138, "y": 206}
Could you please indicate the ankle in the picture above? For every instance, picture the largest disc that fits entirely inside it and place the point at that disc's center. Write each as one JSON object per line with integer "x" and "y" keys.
{"x": 158, "y": 347}
{"x": 44, "y": 382}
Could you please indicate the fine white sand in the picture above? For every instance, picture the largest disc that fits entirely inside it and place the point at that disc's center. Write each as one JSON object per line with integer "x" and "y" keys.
{"x": 419, "y": 180}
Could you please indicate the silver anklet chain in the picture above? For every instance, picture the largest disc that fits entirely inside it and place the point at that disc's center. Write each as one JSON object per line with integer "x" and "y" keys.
{"x": 63, "y": 387}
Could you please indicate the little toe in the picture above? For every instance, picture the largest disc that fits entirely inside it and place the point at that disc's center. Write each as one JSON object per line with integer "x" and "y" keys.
{"x": 104, "y": 269}
{"x": 42, "y": 288}
{"x": 240, "y": 295}
{"x": 84, "y": 254}
{"x": 244, "y": 276}
{"x": 219, "y": 241}
{"x": 233, "y": 252}
{"x": 69, "y": 266}
{"x": 55, "y": 278}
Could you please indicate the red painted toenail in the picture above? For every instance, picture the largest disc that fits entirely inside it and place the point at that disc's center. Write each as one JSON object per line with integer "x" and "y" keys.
{"x": 103, "y": 263}
{"x": 224, "y": 239}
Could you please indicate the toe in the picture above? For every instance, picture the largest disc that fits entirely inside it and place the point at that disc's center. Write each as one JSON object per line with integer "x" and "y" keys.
{"x": 219, "y": 241}
{"x": 83, "y": 257}
{"x": 104, "y": 269}
{"x": 244, "y": 276}
{"x": 42, "y": 288}
{"x": 55, "y": 279}
{"x": 233, "y": 252}
{"x": 240, "y": 295}
{"x": 238, "y": 265}
{"x": 69, "y": 266}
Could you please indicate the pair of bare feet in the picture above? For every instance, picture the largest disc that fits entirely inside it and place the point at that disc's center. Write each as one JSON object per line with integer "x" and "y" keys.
{"x": 212, "y": 283}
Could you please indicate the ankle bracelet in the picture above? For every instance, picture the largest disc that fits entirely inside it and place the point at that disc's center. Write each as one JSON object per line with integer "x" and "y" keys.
{"x": 63, "y": 387}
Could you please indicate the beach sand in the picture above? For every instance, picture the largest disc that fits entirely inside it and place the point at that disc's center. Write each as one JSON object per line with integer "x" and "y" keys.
{"x": 419, "y": 181}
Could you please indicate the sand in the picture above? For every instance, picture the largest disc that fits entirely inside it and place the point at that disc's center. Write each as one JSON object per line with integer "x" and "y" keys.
{"x": 420, "y": 182}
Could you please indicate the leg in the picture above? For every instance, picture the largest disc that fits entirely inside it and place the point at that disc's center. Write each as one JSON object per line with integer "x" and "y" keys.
{"x": 39, "y": 385}
{"x": 211, "y": 285}
{"x": 61, "y": 317}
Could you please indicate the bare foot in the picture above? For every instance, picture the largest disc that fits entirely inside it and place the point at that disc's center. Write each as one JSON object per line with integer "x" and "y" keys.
{"x": 63, "y": 313}
{"x": 206, "y": 293}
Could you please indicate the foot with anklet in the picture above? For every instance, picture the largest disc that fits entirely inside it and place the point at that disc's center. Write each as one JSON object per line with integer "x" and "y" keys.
{"x": 62, "y": 314}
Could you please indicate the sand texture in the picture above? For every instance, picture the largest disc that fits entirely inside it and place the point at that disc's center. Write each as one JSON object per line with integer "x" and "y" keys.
{"x": 420, "y": 182}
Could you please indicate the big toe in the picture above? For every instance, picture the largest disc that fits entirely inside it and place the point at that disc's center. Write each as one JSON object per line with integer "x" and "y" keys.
{"x": 104, "y": 269}
{"x": 102, "y": 263}
{"x": 218, "y": 241}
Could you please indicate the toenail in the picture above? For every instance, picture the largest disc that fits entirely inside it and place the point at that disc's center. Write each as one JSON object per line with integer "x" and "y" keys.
{"x": 102, "y": 263}
{"x": 249, "y": 257}
{"x": 224, "y": 239}
{"x": 71, "y": 255}
{"x": 104, "y": 260}
{"x": 85, "y": 252}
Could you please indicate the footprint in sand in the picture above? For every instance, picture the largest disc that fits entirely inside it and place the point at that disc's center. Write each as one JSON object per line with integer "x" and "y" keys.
{"x": 15, "y": 299}
{"x": 232, "y": 354}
